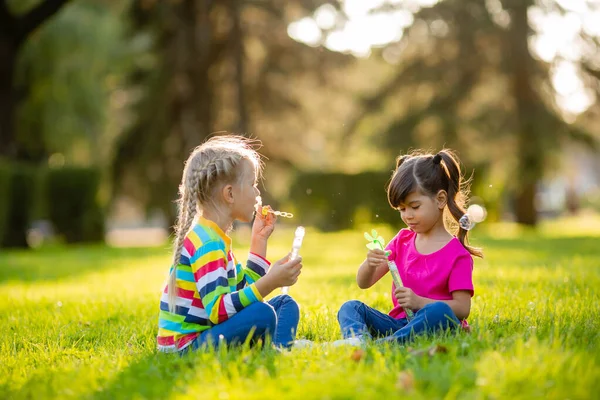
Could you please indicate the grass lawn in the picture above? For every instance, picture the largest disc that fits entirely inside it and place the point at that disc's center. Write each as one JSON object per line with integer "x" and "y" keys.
{"x": 80, "y": 322}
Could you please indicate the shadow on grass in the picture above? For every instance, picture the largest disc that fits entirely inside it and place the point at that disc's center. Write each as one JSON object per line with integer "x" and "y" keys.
{"x": 152, "y": 376}
{"x": 54, "y": 263}
{"x": 156, "y": 375}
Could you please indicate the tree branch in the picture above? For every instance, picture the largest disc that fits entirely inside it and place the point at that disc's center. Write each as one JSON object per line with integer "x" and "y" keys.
{"x": 36, "y": 17}
{"x": 369, "y": 104}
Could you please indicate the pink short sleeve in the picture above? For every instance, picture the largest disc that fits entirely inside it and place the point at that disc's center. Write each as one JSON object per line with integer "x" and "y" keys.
{"x": 401, "y": 237}
{"x": 461, "y": 275}
{"x": 392, "y": 244}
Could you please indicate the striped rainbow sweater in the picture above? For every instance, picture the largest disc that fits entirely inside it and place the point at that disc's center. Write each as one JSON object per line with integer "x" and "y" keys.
{"x": 211, "y": 286}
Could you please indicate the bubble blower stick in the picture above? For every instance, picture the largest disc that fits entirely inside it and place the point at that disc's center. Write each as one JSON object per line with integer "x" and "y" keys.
{"x": 266, "y": 211}
{"x": 278, "y": 213}
{"x": 377, "y": 242}
{"x": 298, "y": 235}
{"x": 296, "y": 244}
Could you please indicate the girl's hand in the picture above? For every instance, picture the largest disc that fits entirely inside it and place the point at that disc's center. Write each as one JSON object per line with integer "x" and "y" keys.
{"x": 263, "y": 225}
{"x": 284, "y": 272}
{"x": 376, "y": 259}
{"x": 408, "y": 299}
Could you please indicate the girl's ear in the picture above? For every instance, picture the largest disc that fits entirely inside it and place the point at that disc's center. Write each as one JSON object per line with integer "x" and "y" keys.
{"x": 227, "y": 193}
{"x": 442, "y": 199}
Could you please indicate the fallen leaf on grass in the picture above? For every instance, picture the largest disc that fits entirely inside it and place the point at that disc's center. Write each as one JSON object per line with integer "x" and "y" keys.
{"x": 433, "y": 350}
{"x": 357, "y": 355}
{"x": 406, "y": 381}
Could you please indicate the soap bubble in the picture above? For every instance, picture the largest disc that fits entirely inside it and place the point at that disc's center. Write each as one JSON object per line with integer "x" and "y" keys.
{"x": 466, "y": 222}
{"x": 477, "y": 213}
{"x": 474, "y": 215}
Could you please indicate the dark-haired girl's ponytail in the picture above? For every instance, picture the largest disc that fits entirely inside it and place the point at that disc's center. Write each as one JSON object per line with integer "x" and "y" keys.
{"x": 450, "y": 166}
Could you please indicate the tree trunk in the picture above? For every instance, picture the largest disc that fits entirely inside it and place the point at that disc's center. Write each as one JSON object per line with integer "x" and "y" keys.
{"x": 238, "y": 53}
{"x": 13, "y": 33}
{"x": 14, "y": 30}
{"x": 8, "y": 55}
{"x": 530, "y": 151}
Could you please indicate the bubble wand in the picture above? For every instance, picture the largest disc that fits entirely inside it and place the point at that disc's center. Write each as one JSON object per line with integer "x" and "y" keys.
{"x": 377, "y": 242}
{"x": 296, "y": 244}
{"x": 266, "y": 210}
{"x": 298, "y": 235}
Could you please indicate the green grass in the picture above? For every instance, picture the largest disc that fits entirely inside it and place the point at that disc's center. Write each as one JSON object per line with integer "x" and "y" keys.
{"x": 80, "y": 322}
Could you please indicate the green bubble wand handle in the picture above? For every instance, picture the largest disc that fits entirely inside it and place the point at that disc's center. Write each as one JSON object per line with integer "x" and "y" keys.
{"x": 377, "y": 242}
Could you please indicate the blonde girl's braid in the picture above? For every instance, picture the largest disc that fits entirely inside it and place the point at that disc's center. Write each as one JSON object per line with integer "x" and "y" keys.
{"x": 214, "y": 162}
{"x": 187, "y": 212}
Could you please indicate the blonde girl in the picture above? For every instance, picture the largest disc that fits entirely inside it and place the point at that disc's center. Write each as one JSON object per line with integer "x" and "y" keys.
{"x": 210, "y": 297}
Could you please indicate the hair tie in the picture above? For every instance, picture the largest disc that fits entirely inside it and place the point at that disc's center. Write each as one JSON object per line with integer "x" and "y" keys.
{"x": 437, "y": 158}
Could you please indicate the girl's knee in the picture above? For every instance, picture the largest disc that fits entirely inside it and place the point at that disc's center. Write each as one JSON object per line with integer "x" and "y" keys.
{"x": 438, "y": 307}
{"x": 288, "y": 307}
{"x": 350, "y": 306}
{"x": 264, "y": 317}
{"x": 287, "y": 301}
{"x": 439, "y": 313}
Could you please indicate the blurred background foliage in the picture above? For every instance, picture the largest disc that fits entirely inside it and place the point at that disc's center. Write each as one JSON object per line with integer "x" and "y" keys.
{"x": 101, "y": 102}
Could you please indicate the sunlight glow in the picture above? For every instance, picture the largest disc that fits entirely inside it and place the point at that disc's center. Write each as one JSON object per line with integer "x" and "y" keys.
{"x": 325, "y": 16}
{"x": 572, "y": 96}
{"x": 364, "y": 26}
{"x": 306, "y": 31}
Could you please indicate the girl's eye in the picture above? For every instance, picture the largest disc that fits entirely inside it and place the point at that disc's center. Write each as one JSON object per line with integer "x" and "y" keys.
{"x": 402, "y": 209}
{"x": 416, "y": 208}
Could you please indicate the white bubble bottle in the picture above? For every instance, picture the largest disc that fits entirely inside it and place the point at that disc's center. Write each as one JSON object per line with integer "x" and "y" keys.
{"x": 296, "y": 244}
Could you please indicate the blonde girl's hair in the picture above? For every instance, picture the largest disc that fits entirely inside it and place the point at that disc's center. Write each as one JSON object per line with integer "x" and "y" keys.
{"x": 212, "y": 164}
{"x": 429, "y": 174}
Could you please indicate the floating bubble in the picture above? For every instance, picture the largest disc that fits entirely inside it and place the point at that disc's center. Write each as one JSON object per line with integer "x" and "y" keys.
{"x": 466, "y": 222}
{"x": 477, "y": 213}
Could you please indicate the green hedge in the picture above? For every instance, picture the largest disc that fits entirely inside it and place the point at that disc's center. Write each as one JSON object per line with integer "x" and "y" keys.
{"x": 72, "y": 203}
{"x": 16, "y": 200}
{"x": 333, "y": 201}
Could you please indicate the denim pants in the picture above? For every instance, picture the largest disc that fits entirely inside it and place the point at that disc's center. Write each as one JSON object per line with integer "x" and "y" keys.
{"x": 278, "y": 319}
{"x": 358, "y": 319}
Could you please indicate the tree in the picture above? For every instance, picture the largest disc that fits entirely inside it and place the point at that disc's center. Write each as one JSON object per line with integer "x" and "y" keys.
{"x": 473, "y": 81}
{"x": 14, "y": 30}
{"x": 224, "y": 65}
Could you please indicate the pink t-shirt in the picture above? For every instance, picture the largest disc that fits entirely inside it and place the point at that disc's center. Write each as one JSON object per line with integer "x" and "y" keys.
{"x": 434, "y": 275}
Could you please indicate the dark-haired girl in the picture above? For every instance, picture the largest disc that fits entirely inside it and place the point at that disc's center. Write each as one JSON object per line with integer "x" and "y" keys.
{"x": 435, "y": 265}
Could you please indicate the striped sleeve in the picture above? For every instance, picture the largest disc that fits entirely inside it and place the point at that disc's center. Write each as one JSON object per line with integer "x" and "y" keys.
{"x": 256, "y": 268}
{"x": 209, "y": 266}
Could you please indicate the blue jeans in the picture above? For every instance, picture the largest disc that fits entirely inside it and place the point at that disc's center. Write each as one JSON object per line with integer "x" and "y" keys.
{"x": 278, "y": 319}
{"x": 358, "y": 319}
